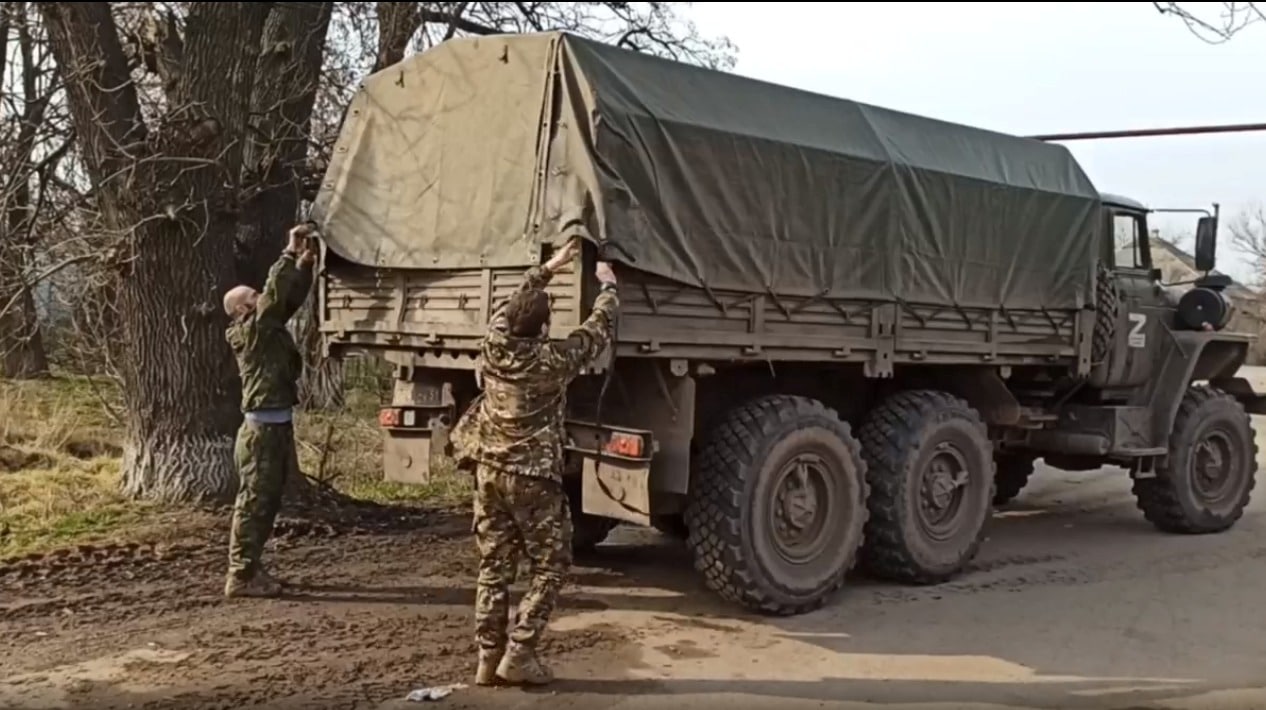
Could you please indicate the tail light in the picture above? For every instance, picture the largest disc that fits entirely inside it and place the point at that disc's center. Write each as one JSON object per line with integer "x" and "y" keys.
{"x": 624, "y": 445}
{"x": 389, "y": 417}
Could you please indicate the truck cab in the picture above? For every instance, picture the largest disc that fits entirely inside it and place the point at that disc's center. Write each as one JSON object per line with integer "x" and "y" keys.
{"x": 1147, "y": 307}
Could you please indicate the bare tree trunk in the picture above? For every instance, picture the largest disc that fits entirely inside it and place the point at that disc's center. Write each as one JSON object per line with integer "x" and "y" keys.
{"x": 172, "y": 197}
{"x": 287, "y": 79}
{"x": 397, "y": 23}
{"x": 22, "y": 353}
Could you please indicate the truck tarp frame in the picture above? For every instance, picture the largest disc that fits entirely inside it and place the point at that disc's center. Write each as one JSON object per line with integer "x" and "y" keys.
{"x": 476, "y": 152}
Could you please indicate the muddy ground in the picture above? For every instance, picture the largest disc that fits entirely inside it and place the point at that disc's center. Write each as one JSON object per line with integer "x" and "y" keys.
{"x": 1074, "y": 602}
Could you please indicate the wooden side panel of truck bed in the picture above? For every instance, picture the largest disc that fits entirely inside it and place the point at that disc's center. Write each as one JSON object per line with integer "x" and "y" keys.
{"x": 439, "y": 314}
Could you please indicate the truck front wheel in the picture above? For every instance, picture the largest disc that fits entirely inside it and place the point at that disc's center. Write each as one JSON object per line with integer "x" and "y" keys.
{"x": 1206, "y": 481}
{"x": 777, "y": 505}
{"x": 931, "y": 472}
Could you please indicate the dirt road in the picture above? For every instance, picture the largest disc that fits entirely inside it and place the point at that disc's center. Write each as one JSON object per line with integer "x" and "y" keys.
{"x": 1074, "y": 602}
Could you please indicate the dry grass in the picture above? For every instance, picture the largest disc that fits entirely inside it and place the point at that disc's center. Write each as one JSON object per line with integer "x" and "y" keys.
{"x": 60, "y": 452}
{"x": 344, "y": 449}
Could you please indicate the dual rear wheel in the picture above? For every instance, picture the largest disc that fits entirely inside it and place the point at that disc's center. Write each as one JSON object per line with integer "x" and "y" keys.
{"x": 786, "y": 499}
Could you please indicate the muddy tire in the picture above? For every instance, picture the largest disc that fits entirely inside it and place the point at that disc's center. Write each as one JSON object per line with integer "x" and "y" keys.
{"x": 1107, "y": 305}
{"x": 1013, "y": 471}
{"x": 1207, "y": 480}
{"x": 587, "y": 531}
{"x": 778, "y": 505}
{"x": 931, "y": 472}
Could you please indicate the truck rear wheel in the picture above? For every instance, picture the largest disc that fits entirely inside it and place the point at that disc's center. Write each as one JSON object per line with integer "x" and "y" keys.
{"x": 1208, "y": 477}
{"x": 778, "y": 504}
{"x": 931, "y": 472}
{"x": 1012, "y": 475}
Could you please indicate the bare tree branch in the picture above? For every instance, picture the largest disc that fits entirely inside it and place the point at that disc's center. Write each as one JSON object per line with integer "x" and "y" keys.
{"x": 1232, "y": 18}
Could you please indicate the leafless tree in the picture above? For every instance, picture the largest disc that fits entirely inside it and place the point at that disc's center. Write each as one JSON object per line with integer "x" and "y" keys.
{"x": 1218, "y": 26}
{"x": 201, "y": 131}
{"x": 32, "y": 145}
{"x": 168, "y": 190}
{"x": 1248, "y": 235}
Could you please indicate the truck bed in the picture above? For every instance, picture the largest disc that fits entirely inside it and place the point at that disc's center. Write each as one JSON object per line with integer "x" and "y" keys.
{"x": 440, "y": 315}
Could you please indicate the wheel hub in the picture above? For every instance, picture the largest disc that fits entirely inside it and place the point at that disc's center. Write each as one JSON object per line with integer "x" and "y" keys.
{"x": 941, "y": 492}
{"x": 1212, "y": 465}
{"x": 799, "y": 516}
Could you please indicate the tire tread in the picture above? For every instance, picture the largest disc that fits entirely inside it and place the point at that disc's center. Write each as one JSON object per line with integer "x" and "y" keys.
{"x": 1160, "y": 499}
{"x": 714, "y": 515}
{"x": 889, "y": 439}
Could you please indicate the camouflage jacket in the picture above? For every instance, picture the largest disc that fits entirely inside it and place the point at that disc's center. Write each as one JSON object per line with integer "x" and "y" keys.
{"x": 517, "y": 424}
{"x": 267, "y": 359}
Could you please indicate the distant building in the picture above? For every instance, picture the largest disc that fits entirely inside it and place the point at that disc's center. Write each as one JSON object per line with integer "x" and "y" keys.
{"x": 1178, "y": 266}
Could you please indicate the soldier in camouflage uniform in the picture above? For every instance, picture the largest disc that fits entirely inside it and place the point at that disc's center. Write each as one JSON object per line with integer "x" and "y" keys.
{"x": 513, "y": 434}
{"x": 270, "y": 365}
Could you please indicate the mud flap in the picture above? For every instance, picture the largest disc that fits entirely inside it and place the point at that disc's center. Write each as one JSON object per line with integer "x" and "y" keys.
{"x": 410, "y": 456}
{"x": 616, "y": 488}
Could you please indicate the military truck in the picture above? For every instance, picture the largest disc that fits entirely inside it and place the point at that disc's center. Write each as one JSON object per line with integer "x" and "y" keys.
{"x": 846, "y": 332}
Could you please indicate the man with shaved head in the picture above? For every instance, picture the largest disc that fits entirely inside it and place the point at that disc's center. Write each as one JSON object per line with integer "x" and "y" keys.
{"x": 270, "y": 365}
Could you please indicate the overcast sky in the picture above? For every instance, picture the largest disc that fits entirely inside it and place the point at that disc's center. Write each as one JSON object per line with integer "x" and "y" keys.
{"x": 1030, "y": 68}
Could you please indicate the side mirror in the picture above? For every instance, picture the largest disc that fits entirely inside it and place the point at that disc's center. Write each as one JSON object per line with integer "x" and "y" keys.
{"x": 1206, "y": 243}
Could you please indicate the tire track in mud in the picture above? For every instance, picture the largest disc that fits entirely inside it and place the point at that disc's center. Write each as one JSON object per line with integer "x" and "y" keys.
{"x": 371, "y": 615}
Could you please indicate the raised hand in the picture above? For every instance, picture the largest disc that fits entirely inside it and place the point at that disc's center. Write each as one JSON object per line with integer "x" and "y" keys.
{"x": 605, "y": 273}
{"x": 564, "y": 255}
{"x": 299, "y": 235}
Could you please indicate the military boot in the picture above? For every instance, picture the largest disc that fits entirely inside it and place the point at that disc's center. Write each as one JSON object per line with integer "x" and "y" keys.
{"x": 260, "y": 585}
{"x": 265, "y": 577}
{"x": 520, "y": 666}
{"x": 489, "y": 659}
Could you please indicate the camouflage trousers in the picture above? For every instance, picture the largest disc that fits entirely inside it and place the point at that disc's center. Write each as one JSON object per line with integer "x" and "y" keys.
{"x": 266, "y": 457}
{"x": 518, "y": 517}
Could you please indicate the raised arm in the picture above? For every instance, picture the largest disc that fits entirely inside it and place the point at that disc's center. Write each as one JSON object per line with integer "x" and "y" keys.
{"x": 584, "y": 344}
{"x": 289, "y": 280}
{"x": 537, "y": 278}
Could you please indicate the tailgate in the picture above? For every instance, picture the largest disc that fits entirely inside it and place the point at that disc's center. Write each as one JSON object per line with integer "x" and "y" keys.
{"x": 423, "y": 309}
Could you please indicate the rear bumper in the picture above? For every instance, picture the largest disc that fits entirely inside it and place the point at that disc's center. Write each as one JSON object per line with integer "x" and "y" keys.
{"x": 613, "y": 463}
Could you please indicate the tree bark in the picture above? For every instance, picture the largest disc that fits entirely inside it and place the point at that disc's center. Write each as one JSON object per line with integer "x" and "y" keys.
{"x": 172, "y": 197}
{"x": 397, "y": 23}
{"x": 287, "y": 76}
{"x": 286, "y": 81}
{"x": 22, "y": 352}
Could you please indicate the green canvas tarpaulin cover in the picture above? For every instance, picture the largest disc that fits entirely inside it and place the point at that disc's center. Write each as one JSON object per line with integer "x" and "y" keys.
{"x": 477, "y": 151}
